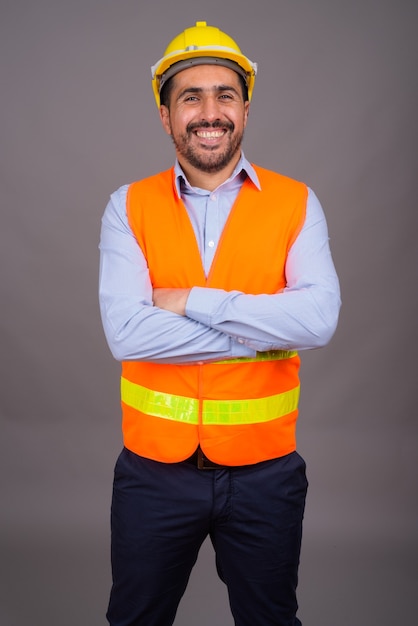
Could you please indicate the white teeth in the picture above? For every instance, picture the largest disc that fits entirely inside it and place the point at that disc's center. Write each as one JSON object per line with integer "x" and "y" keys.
{"x": 210, "y": 134}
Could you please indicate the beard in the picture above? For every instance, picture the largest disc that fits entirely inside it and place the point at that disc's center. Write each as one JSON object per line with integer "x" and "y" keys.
{"x": 208, "y": 159}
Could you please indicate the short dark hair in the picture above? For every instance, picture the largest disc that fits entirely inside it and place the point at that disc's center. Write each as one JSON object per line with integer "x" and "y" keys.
{"x": 167, "y": 88}
{"x": 165, "y": 92}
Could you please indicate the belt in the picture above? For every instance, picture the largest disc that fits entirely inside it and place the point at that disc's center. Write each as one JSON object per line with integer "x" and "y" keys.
{"x": 199, "y": 460}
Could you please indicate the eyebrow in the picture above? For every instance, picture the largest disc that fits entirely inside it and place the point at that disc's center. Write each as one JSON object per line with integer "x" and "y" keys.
{"x": 199, "y": 90}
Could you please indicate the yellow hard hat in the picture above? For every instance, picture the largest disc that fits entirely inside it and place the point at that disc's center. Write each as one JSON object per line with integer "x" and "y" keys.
{"x": 199, "y": 45}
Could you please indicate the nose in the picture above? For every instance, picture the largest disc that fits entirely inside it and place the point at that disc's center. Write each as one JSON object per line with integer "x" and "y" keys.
{"x": 210, "y": 108}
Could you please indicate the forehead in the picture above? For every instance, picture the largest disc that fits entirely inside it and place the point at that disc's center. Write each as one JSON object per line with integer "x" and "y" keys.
{"x": 206, "y": 77}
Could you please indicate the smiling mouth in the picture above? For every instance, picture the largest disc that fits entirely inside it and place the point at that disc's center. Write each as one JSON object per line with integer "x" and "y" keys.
{"x": 210, "y": 134}
{"x": 208, "y": 130}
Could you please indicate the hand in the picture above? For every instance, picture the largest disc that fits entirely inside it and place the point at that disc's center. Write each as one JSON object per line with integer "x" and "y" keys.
{"x": 173, "y": 300}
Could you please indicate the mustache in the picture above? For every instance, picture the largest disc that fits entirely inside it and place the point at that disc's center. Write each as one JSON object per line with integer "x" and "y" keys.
{"x": 192, "y": 126}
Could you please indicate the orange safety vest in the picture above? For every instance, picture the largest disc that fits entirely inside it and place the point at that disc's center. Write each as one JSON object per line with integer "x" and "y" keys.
{"x": 240, "y": 411}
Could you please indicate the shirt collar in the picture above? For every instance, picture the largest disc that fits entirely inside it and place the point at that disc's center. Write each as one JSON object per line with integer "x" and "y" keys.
{"x": 243, "y": 165}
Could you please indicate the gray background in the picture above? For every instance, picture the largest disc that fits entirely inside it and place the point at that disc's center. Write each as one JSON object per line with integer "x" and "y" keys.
{"x": 335, "y": 105}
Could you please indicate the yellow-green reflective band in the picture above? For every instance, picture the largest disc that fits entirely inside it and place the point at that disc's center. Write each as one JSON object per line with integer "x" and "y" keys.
{"x": 272, "y": 355}
{"x": 252, "y": 411}
{"x": 165, "y": 405}
{"x": 214, "y": 412}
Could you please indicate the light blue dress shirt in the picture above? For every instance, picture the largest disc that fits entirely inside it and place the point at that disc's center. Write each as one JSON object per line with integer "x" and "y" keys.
{"x": 218, "y": 324}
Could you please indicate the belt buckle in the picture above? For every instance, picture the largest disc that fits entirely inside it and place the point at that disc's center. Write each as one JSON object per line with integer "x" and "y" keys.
{"x": 203, "y": 463}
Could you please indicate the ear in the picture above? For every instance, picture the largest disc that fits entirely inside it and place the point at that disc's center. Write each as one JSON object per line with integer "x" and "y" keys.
{"x": 246, "y": 112}
{"x": 165, "y": 118}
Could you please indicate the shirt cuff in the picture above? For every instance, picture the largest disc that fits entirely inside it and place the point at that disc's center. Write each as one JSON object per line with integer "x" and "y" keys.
{"x": 202, "y": 302}
{"x": 201, "y": 305}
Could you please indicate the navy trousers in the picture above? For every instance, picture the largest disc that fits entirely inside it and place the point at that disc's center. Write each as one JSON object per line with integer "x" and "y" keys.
{"x": 161, "y": 514}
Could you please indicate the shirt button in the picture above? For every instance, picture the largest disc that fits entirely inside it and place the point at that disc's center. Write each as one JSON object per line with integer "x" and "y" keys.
{"x": 211, "y": 244}
{"x": 240, "y": 340}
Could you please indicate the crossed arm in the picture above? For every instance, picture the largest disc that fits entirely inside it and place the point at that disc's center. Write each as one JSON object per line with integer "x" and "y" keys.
{"x": 188, "y": 325}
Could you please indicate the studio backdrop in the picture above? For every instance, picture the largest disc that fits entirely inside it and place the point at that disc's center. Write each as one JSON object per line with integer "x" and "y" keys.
{"x": 335, "y": 105}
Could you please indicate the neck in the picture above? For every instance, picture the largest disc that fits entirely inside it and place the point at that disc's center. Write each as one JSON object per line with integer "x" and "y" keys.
{"x": 207, "y": 180}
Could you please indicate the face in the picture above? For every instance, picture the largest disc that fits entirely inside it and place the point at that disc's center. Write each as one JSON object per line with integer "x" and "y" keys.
{"x": 206, "y": 118}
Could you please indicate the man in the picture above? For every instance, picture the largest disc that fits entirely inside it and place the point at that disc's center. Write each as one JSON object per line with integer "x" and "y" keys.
{"x": 213, "y": 275}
